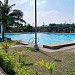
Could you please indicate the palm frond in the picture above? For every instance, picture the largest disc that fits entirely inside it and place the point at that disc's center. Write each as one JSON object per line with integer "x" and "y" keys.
{"x": 18, "y": 12}
{"x": 22, "y": 21}
{"x": 12, "y": 6}
{"x": 5, "y": 2}
{"x": 1, "y": 3}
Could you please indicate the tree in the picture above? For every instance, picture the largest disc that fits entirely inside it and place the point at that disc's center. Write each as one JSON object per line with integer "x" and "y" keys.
{"x": 18, "y": 18}
{"x": 7, "y": 15}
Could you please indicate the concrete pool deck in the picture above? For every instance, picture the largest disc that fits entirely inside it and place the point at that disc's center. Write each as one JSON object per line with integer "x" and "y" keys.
{"x": 59, "y": 45}
{"x": 55, "y": 47}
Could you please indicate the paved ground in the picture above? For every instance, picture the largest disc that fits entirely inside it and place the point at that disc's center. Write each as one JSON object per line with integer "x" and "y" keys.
{"x": 45, "y": 49}
{"x": 2, "y": 72}
{"x": 51, "y": 50}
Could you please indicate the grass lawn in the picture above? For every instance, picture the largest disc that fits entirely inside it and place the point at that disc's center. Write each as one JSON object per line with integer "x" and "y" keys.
{"x": 64, "y": 60}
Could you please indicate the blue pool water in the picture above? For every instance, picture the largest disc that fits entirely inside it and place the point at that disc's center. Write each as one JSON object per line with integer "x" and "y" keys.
{"x": 43, "y": 38}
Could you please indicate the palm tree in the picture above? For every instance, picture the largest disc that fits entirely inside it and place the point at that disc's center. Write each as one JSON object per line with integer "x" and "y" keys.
{"x": 6, "y": 14}
{"x": 17, "y": 16}
{"x": 4, "y": 11}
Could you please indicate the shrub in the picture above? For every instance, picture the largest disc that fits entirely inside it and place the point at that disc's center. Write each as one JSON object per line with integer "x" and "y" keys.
{"x": 17, "y": 42}
{"x": 7, "y": 61}
{"x": 9, "y": 64}
{"x": 5, "y": 45}
{"x": 37, "y": 73}
{"x": 48, "y": 65}
{"x": 2, "y": 55}
{"x": 12, "y": 67}
{"x": 23, "y": 71}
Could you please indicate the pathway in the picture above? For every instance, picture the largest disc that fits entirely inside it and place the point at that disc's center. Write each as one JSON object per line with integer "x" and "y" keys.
{"x": 45, "y": 49}
{"x": 2, "y": 72}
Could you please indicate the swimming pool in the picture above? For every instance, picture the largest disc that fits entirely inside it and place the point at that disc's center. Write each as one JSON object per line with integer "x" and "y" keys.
{"x": 43, "y": 38}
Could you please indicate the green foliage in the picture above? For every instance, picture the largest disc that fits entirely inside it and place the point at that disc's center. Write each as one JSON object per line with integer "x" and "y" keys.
{"x": 37, "y": 73}
{"x": 17, "y": 42}
{"x": 7, "y": 61}
{"x": 29, "y": 49}
{"x": 61, "y": 28}
{"x": 48, "y": 65}
{"x": 20, "y": 56}
{"x": 42, "y": 63}
{"x": 23, "y": 71}
{"x": 6, "y": 14}
{"x": 11, "y": 66}
{"x": 2, "y": 55}
{"x": 23, "y": 59}
{"x": 5, "y": 45}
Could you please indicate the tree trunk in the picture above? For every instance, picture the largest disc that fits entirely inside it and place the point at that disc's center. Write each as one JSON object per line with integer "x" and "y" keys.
{"x": 2, "y": 32}
{"x": 3, "y": 26}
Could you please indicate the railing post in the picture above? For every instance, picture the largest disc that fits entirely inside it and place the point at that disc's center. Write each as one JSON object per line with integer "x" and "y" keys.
{"x": 36, "y": 46}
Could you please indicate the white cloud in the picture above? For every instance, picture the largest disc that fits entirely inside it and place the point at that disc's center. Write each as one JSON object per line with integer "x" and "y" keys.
{"x": 29, "y": 17}
{"x": 39, "y": 2}
{"x": 31, "y": 2}
{"x": 17, "y": 2}
{"x": 47, "y": 17}
{"x": 53, "y": 17}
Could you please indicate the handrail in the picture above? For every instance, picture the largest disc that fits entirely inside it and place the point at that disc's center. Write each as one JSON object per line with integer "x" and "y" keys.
{"x": 29, "y": 40}
{"x": 32, "y": 40}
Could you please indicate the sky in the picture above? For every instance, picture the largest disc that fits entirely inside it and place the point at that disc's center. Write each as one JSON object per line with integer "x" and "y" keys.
{"x": 48, "y": 11}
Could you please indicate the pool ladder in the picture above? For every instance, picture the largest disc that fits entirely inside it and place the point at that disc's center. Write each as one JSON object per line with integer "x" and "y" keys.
{"x": 33, "y": 39}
